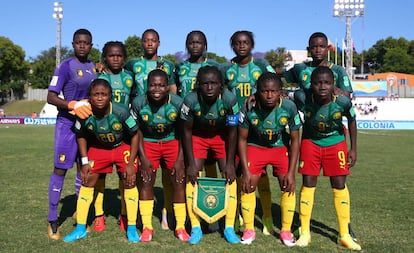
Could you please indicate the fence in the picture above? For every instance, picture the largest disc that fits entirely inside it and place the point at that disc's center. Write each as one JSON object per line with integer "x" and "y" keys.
{"x": 36, "y": 94}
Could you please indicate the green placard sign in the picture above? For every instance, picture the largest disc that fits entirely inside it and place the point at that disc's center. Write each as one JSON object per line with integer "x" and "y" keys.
{"x": 210, "y": 198}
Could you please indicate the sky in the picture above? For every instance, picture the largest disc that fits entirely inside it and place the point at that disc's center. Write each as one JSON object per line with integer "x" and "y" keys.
{"x": 29, "y": 24}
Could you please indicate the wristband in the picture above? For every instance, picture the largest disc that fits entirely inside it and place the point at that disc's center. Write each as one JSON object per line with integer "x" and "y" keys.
{"x": 84, "y": 160}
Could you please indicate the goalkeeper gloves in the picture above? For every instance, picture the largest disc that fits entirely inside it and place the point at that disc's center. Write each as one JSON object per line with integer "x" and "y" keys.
{"x": 82, "y": 109}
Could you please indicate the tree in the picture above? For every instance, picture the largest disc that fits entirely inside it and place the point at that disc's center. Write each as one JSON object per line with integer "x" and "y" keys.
{"x": 43, "y": 66}
{"x": 171, "y": 58}
{"x": 219, "y": 59}
{"x": 398, "y": 60}
{"x": 13, "y": 68}
{"x": 277, "y": 58}
{"x": 390, "y": 54}
{"x": 133, "y": 46}
{"x": 95, "y": 55}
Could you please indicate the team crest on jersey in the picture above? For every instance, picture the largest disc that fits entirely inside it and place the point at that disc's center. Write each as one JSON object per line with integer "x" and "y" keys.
{"x": 145, "y": 117}
{"x": 222, "y": 112}
{"x": 256, "y": 75}
{"x": 172, "y": 116}
{"x": 305, "y": 77}
{"x": 337, "y": 115}
{"x": 198, "y": 113}
{"x": 128, "y": 83}
{"x": 90, "y": 127}
{"x": 138, "y": 69}
{"x": 62, "y": 158}
{"x": 255, "y": 122}
{"x": 183, "y": 71}
{"x": 231, "y": 77}
{"x": 117, "y": 126}
{"x": 79, "y": 72}
{"x": 283, "y": 121}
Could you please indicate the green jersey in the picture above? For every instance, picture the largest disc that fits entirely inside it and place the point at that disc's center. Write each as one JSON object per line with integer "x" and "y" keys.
{"x": 209, "y": 120}
{"x": 186, "y": 74}
{"x": 122, "y": 86}
{"x": 141, "y": 67}
{"x": 241, "y": 80}
{"x": 323, "y": 123}
{"x": 157, "y": 123}
{"x": 269, "y": 128}
{"x": 110, "y": 131}
{"x": 301, "y": 74}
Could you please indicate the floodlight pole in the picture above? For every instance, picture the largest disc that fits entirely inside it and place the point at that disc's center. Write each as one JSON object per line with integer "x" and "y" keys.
{"x": 58, "y": 15}
{"x": 349, "y": 47}
{"x": 349, "y": 9}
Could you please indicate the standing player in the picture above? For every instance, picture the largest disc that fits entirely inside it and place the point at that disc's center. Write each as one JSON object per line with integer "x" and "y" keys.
{"x": 263, "y": 139}
{"x": 324, "y": 146}
{"x": 241, "y": 76}
{"x": 300, "y": 73}
{"x": 209, "y": 113}
{"x": 102, "y": 140}
{"x": 72, "y": 79}
{"x": 140, "y": 67}
{"x": 186, "y": 71}
{"x": 122, "y": 83}
{"x": 196, "y": 44}
{"x": 157, "y": 114}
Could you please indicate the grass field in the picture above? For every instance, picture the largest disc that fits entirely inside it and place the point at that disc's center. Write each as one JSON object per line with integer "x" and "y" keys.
{"x": 22, "y": 107}
{"x": 380, "y": 185}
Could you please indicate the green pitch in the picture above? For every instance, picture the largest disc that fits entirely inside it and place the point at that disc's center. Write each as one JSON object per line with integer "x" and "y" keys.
{"x": 381, "y": 188}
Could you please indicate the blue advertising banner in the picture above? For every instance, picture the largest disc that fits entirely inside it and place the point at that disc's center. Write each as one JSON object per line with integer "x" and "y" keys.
{"x": 384, "y": 124}
{"x": 370, "y": 88}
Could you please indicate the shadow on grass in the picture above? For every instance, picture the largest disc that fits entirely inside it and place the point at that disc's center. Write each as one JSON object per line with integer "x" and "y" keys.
{"x": 316, "y": 226}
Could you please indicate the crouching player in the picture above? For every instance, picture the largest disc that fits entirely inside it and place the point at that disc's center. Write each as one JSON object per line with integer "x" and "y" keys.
{"x": 102, "y": 140}
{"x": 263, "y": 139}
{"x": 206, "y": 112}
{"x": 157, "y": 113}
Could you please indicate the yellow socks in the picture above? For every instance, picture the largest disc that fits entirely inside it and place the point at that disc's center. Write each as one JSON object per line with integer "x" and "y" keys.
{"x": 131, "y": 203}
{"x": 195, "y": 221}
{"x": 146, "y": 207}
{"x": 265, "y": 195}
{"x": 180, "y": 215}
{"x": 287, "y": 209}
{"x": 305, "y": 207}
{"x": 343, "y": 209}
{"x": 99, "y": 196}
{"x": 248, "y": 207}
{"x": 231, "y": 205}
{"x": 84, "y": 202}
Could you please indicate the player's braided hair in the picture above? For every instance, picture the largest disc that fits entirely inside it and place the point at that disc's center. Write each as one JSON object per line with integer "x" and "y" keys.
{"x": 110, "y": 44}
{"x": 199, "y": 33}
{"x": 247, "y": 33}
{"x": 267, "y": 76}
{"x": 97, "y": 82}
{"x": 210, "y": 69}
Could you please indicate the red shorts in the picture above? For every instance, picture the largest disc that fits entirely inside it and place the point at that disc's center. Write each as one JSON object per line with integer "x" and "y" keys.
{"x": 102, "y": 160}
{"x": 333, "y": 159}
{"x": 201, "y": 146}
{"x": 259, "y": 157}
{"x": 167, "y": 151}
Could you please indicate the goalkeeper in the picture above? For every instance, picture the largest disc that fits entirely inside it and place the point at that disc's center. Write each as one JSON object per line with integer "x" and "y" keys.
{"x": 72, "y": 79}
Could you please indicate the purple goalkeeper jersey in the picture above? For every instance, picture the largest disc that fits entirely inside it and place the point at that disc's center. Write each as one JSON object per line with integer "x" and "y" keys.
{"x": 72, "y": 78}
